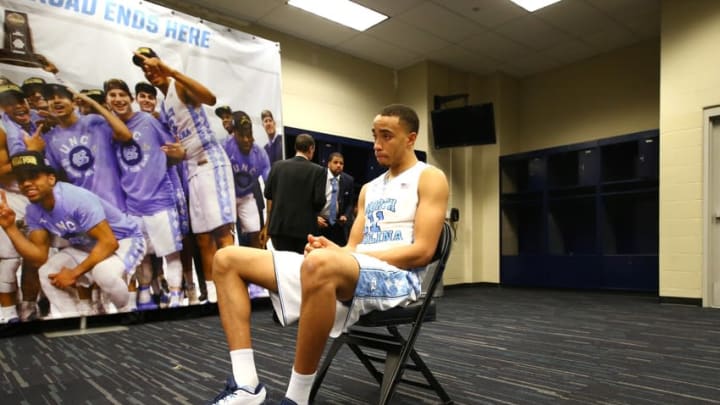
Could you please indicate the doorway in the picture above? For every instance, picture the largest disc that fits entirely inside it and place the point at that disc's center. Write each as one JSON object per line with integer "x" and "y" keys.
{"x": 711, "y": 257}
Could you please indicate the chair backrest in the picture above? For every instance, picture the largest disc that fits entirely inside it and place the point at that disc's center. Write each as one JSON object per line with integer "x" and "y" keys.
{"x": 434, "y": 271}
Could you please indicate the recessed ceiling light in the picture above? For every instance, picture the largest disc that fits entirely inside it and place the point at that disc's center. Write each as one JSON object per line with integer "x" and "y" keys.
{"x": 532, "y": 5}
{"x": 343, "y": 12}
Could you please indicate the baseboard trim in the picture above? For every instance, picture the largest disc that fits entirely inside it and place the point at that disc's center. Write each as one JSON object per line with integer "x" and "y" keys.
{"x": 681, "y": 301}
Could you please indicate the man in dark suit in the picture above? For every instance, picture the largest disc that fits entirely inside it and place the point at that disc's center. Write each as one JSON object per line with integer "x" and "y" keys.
{"x": 295, "y": 193}
{"x": 334, "y": 219}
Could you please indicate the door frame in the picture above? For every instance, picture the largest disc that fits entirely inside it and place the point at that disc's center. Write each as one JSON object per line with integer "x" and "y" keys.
{"x": 711, "y": 117}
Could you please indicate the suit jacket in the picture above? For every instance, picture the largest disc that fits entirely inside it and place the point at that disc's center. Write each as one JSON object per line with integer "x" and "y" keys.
{"x": 296, "y": 188}
{"x": 346, "y": 195}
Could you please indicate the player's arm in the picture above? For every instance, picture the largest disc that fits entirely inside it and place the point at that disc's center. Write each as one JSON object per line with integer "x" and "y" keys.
{"x": 433, "y": 194}
{"x": 5, "y": 167}
{"x": 105, "y": 245}
{"x": 33, "y": 249}
{"x": 121, "y": 133}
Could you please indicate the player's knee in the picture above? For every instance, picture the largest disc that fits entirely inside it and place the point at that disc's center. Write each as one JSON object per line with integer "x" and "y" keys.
{"x": 222, "y": 262}
{"x": 316, "y": 268}
{"x": 8, "y": 278}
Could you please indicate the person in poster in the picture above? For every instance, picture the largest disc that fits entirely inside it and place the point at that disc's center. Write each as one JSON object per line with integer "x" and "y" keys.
{"x": 209, "y": 170}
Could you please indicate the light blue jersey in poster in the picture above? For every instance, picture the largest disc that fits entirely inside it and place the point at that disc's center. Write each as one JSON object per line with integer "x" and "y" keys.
{"x": 84, "y": 152}
{"x": 15, "y": 134}
{"x": 246, "y": 168}
{"x": 76, "y": 211}
{"x": 143, "y": 166}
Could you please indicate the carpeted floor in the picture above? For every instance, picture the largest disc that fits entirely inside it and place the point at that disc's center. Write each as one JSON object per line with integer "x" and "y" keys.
{"x": 490, "y": 346}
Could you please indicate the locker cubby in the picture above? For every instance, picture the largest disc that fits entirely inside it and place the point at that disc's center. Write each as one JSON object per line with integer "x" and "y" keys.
{"x": 568, "y": 223}
{"x": 522, "y": 229}
{"x": 522, "y": 175}
{"x": 630, "y": 223}
{"x": 582, "y": 215}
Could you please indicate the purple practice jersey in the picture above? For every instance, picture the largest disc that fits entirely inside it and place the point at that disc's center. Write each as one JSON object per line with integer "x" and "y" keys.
{"x": 85, "y": 153}
{"x": 143, "y": 166}
{"x": 15, "y": 133}
{"x": 76, "y": 211}
{"x": 246, "y": 168}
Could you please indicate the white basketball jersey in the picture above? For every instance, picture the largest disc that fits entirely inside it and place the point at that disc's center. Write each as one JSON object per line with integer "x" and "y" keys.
{"x": 390, "y": 206}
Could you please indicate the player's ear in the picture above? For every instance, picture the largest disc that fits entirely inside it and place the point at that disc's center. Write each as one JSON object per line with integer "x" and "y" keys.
{"x": 52, "y": 179}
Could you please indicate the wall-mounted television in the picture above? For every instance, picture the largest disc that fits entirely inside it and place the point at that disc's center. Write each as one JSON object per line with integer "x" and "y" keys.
{"x": 463, "y": 126}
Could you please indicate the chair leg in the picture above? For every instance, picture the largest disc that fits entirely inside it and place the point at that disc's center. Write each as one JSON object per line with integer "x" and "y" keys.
{"x": 432, "y": 381}
{"x": 366, "y": 362}
{"x": 393, "y": 372}
{"x": 336, "y": 345}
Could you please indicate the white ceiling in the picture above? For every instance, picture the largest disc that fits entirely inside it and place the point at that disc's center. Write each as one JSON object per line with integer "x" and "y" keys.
{"x": 479, "y": 36}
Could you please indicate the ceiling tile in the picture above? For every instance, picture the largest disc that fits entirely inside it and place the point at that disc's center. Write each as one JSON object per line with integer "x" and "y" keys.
{"x": 366, "y": 47}
{"x": 569, "y": 51}
{"x": 494, "y": 45}
{"x": 574, "y": 17}
{"x": 247, "y": 10}
{"x": 439, "y": 21}
{"x": 404, "y": 35}
{"x": 304, "y": 25}
{"x": 389, "y": 8}
{"x": 531, "y": 31}
{"x": 487, "y": 13}
{"x": 610, "y": 38}
{"x": 463, "y": 60}
{"x": 626, "y": 7}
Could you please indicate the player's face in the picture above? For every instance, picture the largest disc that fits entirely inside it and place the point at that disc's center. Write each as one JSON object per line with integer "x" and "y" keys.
{"x": 336, "y": 165}
{"x": 60, "y": 106}
{"x": 392, "y": 140}
{"x": 227, "y": 122}
{"x": 120, "y": 103}
{"x": 36, "y": 186}
{"x": 244, "y": 138}
{"x": 147, "y": 102}
{"x": 269, "y": 125}
{"x": 154, "y": 78}
{"x": 37, "y": 101}
{"x": 17, "y": 109}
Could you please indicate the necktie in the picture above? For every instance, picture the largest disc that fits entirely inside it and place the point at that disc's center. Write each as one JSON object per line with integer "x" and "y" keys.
{"x": 333, "y": 200}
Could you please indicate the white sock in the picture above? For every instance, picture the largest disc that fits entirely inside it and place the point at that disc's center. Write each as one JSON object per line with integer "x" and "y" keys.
{"x": 299, "y": 387}
{"x": 84, "y": 307}
{"x": 243, "y": 366}
{"x": 211, "y": 291}
{"x": 9, "y": 312}
{"x": 144, "y": 295}
{"x": 132, "y": 300}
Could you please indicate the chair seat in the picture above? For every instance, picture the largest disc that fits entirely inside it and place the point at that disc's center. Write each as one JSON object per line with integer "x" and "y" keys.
{"x": 398, "y": 315}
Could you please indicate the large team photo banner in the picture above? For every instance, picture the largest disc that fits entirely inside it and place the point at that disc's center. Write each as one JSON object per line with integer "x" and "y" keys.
{"x": 90, "y": 41}
{"x": 72, "y": 50}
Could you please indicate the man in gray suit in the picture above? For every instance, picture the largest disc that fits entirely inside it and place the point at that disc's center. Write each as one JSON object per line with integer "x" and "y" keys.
{"x": 295, "y": 193}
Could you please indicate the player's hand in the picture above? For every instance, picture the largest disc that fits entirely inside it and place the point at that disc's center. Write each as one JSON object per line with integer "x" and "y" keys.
{"x": 322, "y": 222}
{"x": 35, "y": 142}
{"x": 174, "y": 150}
{"x": 155, "y": 65}
{"x": 319, "y": 242}
{"x": 7, "y": 215}
{"x": 342, "y": 220}
{"x": 64, "y": 279}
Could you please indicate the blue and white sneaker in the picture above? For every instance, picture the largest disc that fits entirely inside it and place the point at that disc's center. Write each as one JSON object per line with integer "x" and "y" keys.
{"x": 234, "y": 395}
{"x": 147, "y": 306}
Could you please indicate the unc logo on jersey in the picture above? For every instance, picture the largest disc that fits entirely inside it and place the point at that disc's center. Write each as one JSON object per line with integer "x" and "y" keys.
{"x": 81, "y": 158}
{"x": 130, "y": 153}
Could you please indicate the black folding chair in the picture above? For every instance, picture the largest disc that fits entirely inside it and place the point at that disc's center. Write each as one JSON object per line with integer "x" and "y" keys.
{"x": 398, "y": 349}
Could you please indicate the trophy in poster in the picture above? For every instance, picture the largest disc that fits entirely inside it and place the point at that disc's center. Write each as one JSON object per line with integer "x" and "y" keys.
{"x": 17, "y": 46}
